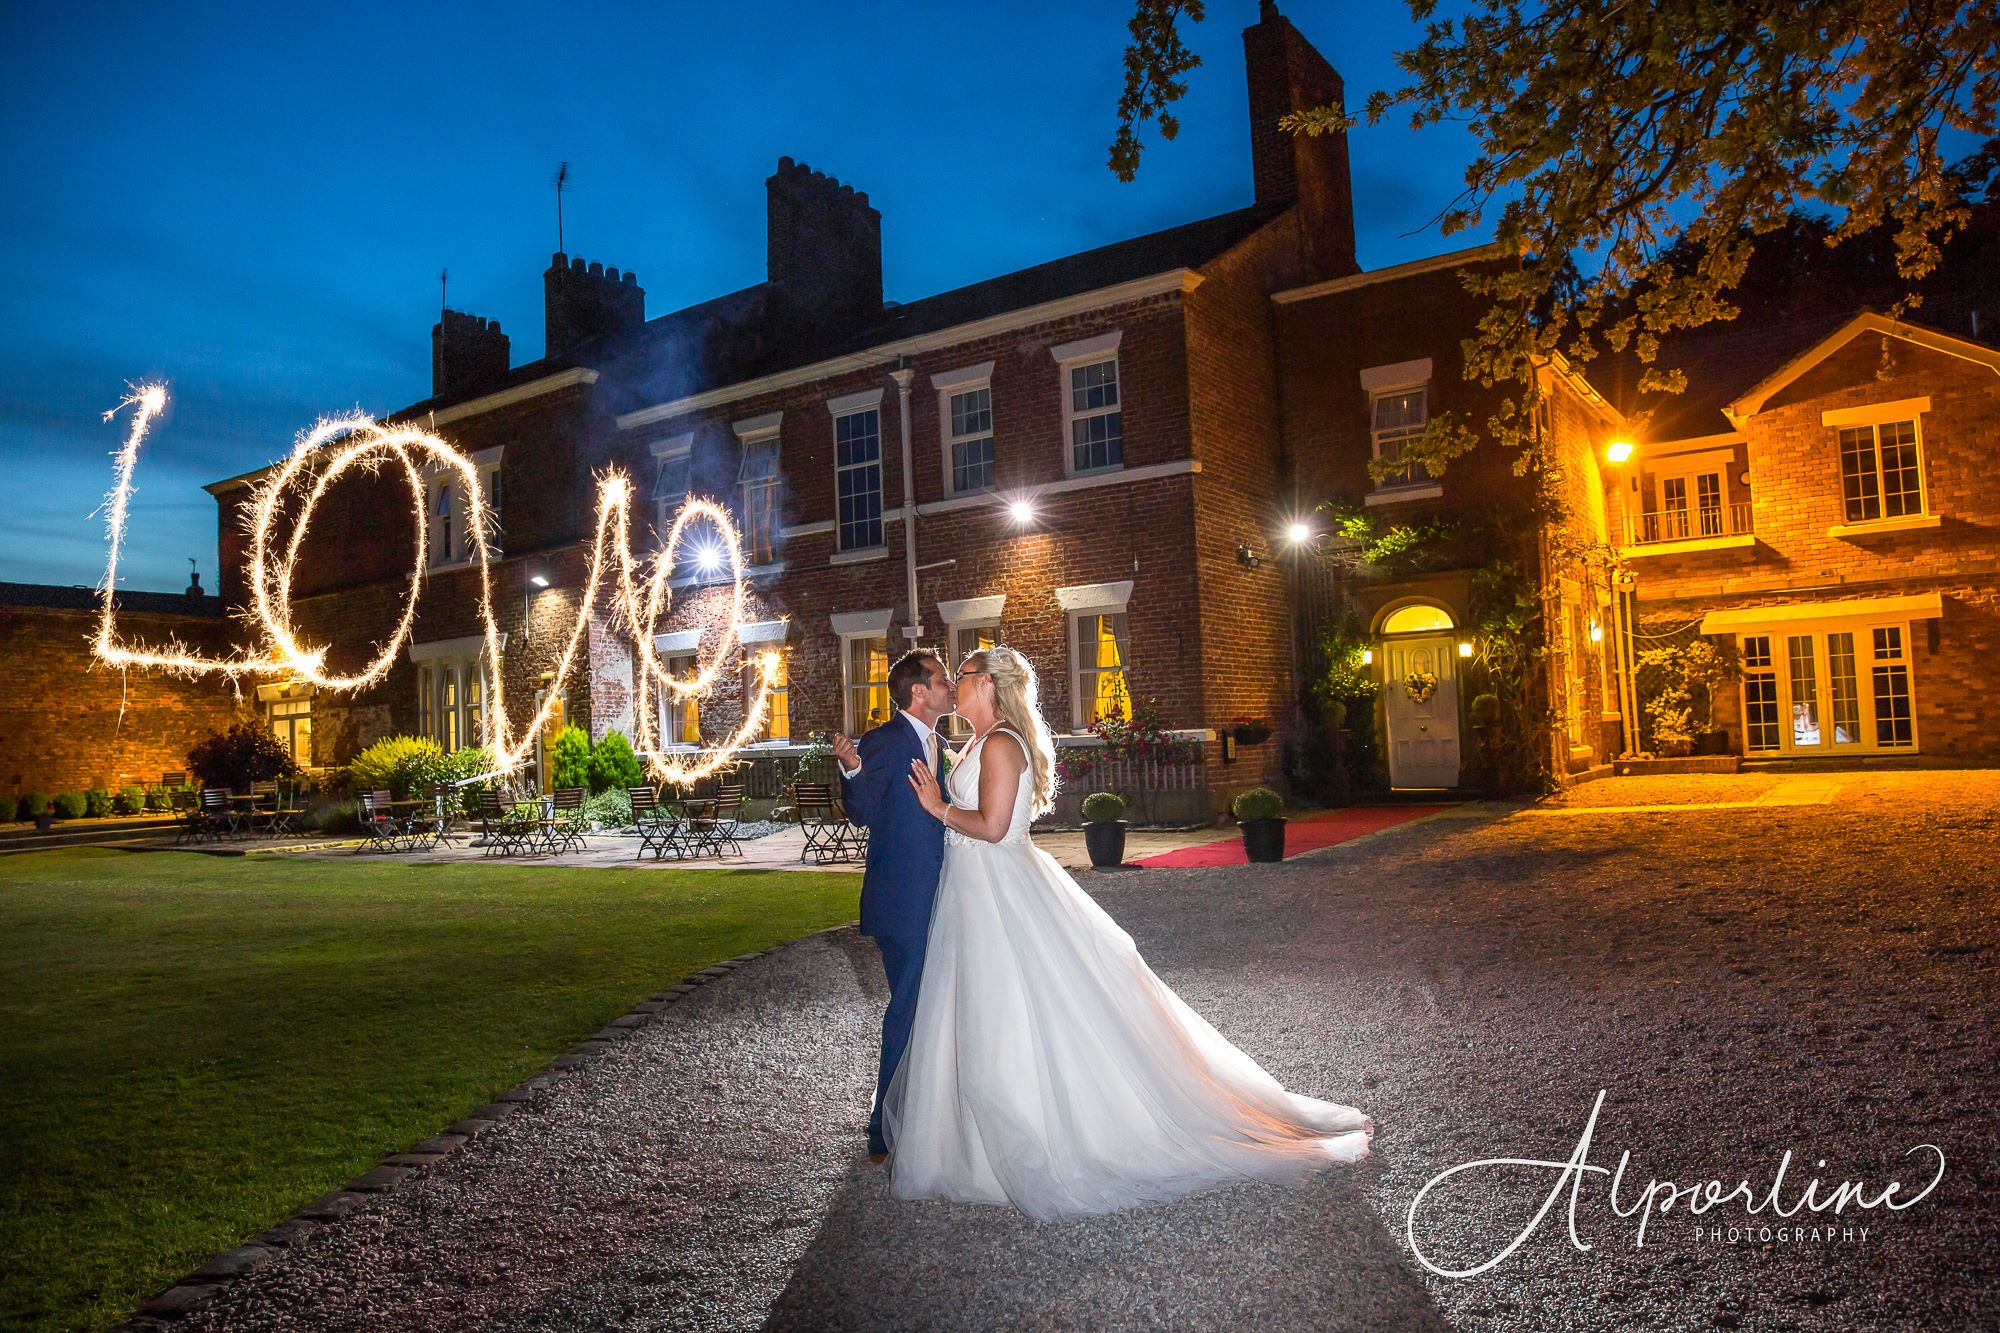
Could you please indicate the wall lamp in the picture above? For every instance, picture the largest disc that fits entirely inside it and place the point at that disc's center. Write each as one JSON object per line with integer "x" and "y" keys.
{"x": 1022, "y": 512}
{"x": 1246, "y": 557}
{"x": 1465, "y": 647}
{"x": 539, "y": 580}
{"x": 1299, "y": 533}
{"x": 1619, "y": 451}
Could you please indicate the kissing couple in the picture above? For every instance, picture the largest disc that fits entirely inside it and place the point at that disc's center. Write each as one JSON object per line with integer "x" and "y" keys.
{"x": 1029, "y": 1055}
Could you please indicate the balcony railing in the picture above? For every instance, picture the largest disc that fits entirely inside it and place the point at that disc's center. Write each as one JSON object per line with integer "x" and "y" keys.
{"x": 1684, "y": 525}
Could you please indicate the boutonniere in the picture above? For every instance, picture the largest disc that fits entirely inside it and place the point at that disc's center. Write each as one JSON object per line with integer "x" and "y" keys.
{"x": 946, "y": 761}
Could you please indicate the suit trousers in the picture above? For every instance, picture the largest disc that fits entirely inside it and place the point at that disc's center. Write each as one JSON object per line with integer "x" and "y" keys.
{"x": 903, "y": 961}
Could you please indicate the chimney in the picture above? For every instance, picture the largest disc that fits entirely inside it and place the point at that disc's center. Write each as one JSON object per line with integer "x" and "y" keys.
{"x": 1287, "y": 74}
{"x": 825, "y": 248}
{"x": 468, "y": 355}
{"x": 588, "y": 303}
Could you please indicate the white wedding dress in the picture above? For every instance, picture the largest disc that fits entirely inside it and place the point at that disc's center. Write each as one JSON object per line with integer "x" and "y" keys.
{"x": 1049, "y": 1068}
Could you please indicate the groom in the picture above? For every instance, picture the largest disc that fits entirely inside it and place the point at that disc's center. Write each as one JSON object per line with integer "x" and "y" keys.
{"x": 905, "y": 846}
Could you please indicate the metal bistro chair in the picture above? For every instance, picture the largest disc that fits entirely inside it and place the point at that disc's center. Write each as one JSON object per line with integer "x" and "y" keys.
{"x": 218, "y": 818}
{"x": 503, "y": 830}
{"x": 264, "y": 806}
{"x": 714, "y": 834}
{"x": 190, "y": 820}
{"x": 567, "y": 825}
{"x": 172, "y": 780}
{"x": 829, "y": 835}
{"x": 289, "y": 808}
{"x": 660, "y": 830}
{"x": 435, "y": 822}
{"x": 381, "y": 830}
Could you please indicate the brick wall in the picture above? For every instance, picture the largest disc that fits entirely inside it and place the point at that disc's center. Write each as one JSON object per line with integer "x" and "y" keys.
{"x": 68, "y": 723}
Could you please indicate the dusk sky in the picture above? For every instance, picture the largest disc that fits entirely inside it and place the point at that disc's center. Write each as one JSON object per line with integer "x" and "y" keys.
{"x": 254, "y": 202}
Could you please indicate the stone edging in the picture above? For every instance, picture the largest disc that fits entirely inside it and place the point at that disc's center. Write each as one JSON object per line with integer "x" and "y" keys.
{"x": 215, "y": 1276}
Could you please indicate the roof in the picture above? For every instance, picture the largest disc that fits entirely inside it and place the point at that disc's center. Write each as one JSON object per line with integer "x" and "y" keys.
{"x": 80, "y": 598}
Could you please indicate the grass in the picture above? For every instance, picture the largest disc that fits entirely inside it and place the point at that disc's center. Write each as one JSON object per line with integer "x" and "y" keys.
{"x": 191, "y": 1047}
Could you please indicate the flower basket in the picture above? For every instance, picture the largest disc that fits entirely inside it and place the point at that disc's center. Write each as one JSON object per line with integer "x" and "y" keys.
{"x": 1253, "y": 732}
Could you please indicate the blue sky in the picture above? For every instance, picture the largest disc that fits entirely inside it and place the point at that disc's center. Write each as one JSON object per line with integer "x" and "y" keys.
{"x": 254, "y": 202}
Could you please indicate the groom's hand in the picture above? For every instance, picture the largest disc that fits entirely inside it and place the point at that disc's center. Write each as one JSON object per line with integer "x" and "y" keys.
{"x": 844, "y": 752}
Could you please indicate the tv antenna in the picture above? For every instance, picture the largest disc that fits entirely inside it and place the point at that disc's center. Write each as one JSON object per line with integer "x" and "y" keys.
{"x": 561, "y": 181}
{"x": 444, "y": 286}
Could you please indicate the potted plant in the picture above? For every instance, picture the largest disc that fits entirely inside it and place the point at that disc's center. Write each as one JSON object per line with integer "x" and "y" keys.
{"x": 1260, "y": 814}
{"x": 1252, "y": 730}
{"x": 1104, "y": 829}
{"x": 1484, "y": 714}
{"x": 1677, "y": 685}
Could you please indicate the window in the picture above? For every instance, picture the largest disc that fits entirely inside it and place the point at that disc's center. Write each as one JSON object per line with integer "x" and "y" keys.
{"x": 451, "y": 695}
{"x": 1880, "y": 476}
{"x": 865, "y": 665}
{"x": 778, "y": 711}
{"x": 857, "y": 446}
{"x": 1096, "y": 421}
{"x": 1892, "y": 690}
{"x": 758, "y": 477}
{"x": 291, "y": 723}
{"x": 450, "y": 535}
{"x": 672, "y": 472}
{"x": 489, "y": 490}
{"x": 444, "y": 510}
{"x": 1102, "y": 656}
{"x": 1805, "y": 690}
{"x": 1760, "y": 694}
{"x": 1395, "y": 417}
{"x": 971, "y": 427}
{"x": 683, "y": 716}
{"x": 1416, "y": 617}
{"x": 965, "y": 640}
{"x": 1843, "y": 689}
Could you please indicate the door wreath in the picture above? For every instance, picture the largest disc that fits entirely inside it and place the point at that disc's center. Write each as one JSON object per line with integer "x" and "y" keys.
{"x": 1420, "y": 686}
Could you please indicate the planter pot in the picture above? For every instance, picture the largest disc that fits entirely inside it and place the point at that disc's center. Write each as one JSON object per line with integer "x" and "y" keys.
{"x": 1264, "y": 839}
{"x": 1712, "y": 742}
{"x": 45, "y": 821}
{"x": 1106, "y": 841}
{"x": 1252, "y": 735}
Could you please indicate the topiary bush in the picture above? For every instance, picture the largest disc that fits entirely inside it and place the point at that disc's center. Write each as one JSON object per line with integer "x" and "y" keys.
{"x": 1257, "y": 803}
{"x": 71, "y": 805}
{"x": 610, "y": 809}
{"x": 97, "y": 803}
{"x": 614, "y": 765}
{"x": 129, "y": 801}
{"x": 240, "y": 756}
{"x": 1103, "y": 807}
{"x": 32, "y": 805}
{"x": 570, "y": 758}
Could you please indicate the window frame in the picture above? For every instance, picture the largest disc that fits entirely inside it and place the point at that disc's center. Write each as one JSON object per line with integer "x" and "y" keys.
{"x": 672, "y": 451}
{"x": 841, "y": 409}
{"x": 848, "y": 685}
{"x": 757, "y": 497}
{"x": 1872, "y": 417}
{"x": 950, "y": 384}
{"x": 1100, "y": 349}
{"x": 461, "y": 669}
{"x": 443, "y": 486}
{"x": 1781, "y": 671}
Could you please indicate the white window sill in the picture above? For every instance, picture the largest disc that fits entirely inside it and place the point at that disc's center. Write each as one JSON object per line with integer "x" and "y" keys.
{"x": 451, "y": 565}
{"x": 1910, "y": 524}
{"x": 860, "y": 557}
{"x": 1688, "y": 544}
{"x": 1084, "y": 740}
{"x": 1389, "y": 495}
{"x": 1094, "y": 471}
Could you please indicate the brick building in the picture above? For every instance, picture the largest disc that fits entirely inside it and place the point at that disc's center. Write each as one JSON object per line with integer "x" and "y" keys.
{"x": 1822, "y": 497}
{"x": 1067, "y": 458}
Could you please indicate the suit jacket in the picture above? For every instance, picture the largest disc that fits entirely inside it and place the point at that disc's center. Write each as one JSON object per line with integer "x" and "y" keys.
{"x": 905, "y": 845}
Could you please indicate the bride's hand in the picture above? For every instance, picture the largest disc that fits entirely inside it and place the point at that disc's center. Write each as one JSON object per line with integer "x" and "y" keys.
{"x": 929, "y": 795}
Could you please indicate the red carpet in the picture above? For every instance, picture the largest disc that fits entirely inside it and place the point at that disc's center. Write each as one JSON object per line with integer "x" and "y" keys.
{"x": 1301, "y": 835}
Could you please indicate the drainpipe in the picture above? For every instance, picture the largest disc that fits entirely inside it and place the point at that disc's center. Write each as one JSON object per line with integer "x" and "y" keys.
{"x": 915, "y": 629}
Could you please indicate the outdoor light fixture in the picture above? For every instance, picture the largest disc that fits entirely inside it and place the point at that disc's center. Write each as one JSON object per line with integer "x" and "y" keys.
{"x": 1299, "y": 532}
{"x": 1367, "y": 657}
{"x": 1619, "y": 451}
{"x": 1465, "y": 647}
{"x": 708, "y": 559}
{"x": 539, "y": 580}
{"x": 1246, "y": 557}
{"x": 1021, "y": 512}
{"x": 1596, "y": 632}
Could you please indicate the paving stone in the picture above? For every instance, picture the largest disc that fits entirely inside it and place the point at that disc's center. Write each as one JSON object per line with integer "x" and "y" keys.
{"x": 471, "y": 1125}
{"x": 234, "y": 1263}
{"x": 176, "y": 1301}
{"x": 411, "y": 1159}
{"x": 331, "y": 1207}
{"x": 631, "y": 1021}
{"x": 495, "y": 1110}
{"x": 440, "y": 1143}
{"x": 378, "y": 1178}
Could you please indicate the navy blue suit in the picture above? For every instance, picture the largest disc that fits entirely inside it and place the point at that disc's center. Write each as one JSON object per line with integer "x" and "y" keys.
{"x": 905, "y": 854}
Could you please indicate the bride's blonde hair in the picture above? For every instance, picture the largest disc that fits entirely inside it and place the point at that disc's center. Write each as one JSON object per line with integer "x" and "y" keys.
{"x": 1017, "y": 705}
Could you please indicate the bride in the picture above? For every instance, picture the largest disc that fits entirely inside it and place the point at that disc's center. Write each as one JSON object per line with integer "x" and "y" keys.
{"x": 1048, "y": 1067}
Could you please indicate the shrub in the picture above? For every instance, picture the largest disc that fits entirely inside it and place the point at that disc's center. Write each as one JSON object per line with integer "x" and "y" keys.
{"x": 332, "y": 817}
{"x": 240, "y": 756}
{"x": 32, "y": 805}
{"x": 129, "y": 801}
{"x": 71, "y": 805}
{"x": 570, "y": 758}
{"x": 610, "y": 809}
{"x": 1484, "y": 710}
{"x": 1257, "y": 803}
{"x": 157, "y": 798}
{"x": 1103, "y": 807}
{"x": 396, "y": 763}
{"x": 614, "y": 766}
{"x": 97, "y": 803}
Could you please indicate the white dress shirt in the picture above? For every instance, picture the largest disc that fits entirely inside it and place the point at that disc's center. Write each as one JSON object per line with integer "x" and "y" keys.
{"x": 927, "y": 741}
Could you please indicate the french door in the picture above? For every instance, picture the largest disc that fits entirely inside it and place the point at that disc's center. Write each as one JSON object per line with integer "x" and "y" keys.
{"x": 1830, "y": 691}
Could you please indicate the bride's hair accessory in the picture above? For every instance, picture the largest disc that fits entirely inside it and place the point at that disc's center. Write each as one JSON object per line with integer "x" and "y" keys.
{"x": 1017, "y": 704}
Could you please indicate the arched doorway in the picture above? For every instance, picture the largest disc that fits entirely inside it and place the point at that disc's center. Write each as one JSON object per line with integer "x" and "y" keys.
{"x": 1420, "y": 694}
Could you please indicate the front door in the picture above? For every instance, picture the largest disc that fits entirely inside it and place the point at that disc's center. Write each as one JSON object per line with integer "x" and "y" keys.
{"x": 1423, "y": 731}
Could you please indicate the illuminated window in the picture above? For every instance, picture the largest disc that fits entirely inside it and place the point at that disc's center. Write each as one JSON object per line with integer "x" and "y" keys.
{"x": 1102, "y": 652}
{"x": 291, "y": 724}
{"x": 683, "y": 716}
{"x": 1409, "y": 619}
{"x": 865, "y": 669}
{"x": 778, "y": 712}
{"x": 965, "y": 640}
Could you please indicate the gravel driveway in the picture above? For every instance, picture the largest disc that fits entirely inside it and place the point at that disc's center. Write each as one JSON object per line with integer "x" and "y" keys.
{"x": 1739, "y": 980}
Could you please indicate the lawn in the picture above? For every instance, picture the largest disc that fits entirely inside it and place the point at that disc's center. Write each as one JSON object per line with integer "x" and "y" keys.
{"x": 191, "y": 1046}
